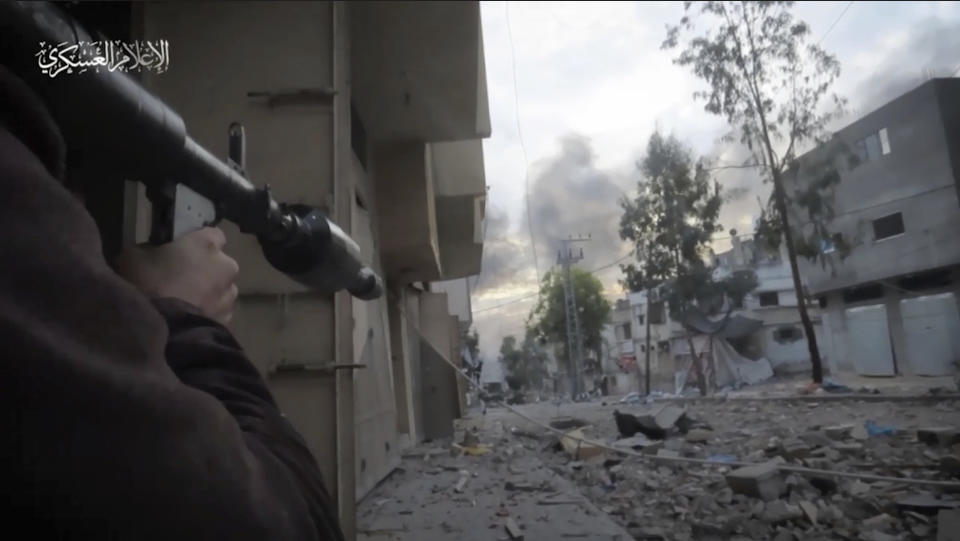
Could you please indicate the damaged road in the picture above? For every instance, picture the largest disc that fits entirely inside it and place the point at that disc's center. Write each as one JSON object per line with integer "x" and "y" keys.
{"x": 659, "y": 500}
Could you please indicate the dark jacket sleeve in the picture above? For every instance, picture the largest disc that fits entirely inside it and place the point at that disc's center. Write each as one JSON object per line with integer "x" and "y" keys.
{"x": 100, "y": 435}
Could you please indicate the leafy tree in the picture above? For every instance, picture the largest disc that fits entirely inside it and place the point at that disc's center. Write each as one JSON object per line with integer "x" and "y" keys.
{"x": 670, "y": 222}
{"x": 773, "y": 85}
{"x": 525, "y": 366}
{"x": 548, "y": 320}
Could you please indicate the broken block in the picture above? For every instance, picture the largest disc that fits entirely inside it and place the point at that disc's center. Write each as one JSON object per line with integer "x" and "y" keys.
{"x": 948, "y": 525}
{"x": 838, "y": 432}
{"x": 945, "y": 436}
{"x": 763, "y": 481}
{"x": 795, "y": 449}
{"x": 699, "y": 435}
{"x": 668, "y": 416}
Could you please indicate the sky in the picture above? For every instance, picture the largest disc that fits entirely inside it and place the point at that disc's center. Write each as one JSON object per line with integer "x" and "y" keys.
{"x": 575, "y": 90}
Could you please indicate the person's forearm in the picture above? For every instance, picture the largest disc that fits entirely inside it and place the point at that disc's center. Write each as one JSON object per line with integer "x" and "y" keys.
{"x": 99, "y": 426}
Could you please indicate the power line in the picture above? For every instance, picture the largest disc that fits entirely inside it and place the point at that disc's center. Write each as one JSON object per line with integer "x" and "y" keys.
{"x": 842, "y": 13}
{"x": 523, "y": 148}
{"x": 532, "y": 295}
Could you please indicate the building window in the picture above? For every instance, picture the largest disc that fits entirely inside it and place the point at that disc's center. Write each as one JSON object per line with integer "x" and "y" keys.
{"x": 640, "y": 319}
{"x": 769, "y": 298}
{"x": 823, "y": 301}
{"x": 871, "y": 147}
{"x": 623, "y": 332}
{"x": 862, "y": 293}
{"x": 888, "y": 226}
{"x": 787, "y": 334}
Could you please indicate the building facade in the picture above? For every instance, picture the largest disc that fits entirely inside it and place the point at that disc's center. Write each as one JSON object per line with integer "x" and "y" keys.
{"x": 890, "y": 307}
{"x": 373, "y": 112}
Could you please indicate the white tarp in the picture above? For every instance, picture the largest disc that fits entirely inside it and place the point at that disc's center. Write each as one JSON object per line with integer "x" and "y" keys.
{"x": 741, "y": 370}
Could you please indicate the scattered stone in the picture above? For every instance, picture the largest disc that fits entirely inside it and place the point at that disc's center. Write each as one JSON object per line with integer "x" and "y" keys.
{"x": 948, "y": 525}
{"x": 815, "y": 438}
{"x": 945, "y": 436}
{"x": 667, "y": 453}
{"x": 838, "y": 432}
{"x": 668, "y": 416}
{"x": 859, "y": 487}
{"x": 462, "y": 482}
{"x": 514, "y": 531}
{"x": 950, "y": 465}
{"x": 578, "y": 449}
{"x": 567, "y": 423}
{"x": 795, "y": 449}
{"x": 763, "y": 481}
{"x": 848, "y": 448}
{"x": 859, "y": 432}
{"x": 699, "y": 435}
{"x": 927, "y": 502}
{"x": 521, "y": 487}
{"x": 785, "y": 535}
{"x": 876, "y": 535}
{"x": 879, "y": 522}
{"x": 636, "y": 442}
{"x": 809, "y": 511}
{"x": 779, "y": 511}
{"x": 921, "y": 530}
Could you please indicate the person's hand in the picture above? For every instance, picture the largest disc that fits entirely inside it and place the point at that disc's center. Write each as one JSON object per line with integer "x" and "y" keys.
{"x": 193, "y": 268}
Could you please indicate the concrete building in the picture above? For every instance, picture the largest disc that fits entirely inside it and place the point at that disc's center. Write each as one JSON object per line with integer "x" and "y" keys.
{"x": 890, "y": 307}
{"x": 780, "y": 339}
{"x": 619, "y": 362}
{"x": 373, "y": 112}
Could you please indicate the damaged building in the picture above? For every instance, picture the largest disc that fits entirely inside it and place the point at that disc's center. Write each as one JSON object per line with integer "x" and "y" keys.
{"x": 891, "y": 306}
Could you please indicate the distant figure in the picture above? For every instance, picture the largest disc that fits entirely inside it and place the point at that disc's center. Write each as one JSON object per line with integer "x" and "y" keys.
{"x": 628, "y": 425}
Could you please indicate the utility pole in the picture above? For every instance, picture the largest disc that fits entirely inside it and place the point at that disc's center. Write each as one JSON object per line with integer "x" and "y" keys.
{"x": 566, "y": 258}
{"x": 647, "y": 321}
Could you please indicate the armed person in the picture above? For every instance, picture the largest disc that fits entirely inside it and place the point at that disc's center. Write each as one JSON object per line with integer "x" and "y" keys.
{"x": 129, "y": 410}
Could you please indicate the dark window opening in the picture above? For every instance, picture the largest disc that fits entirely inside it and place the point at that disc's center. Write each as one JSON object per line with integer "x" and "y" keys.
{"x": 640, "y": 319}
{"x": 664, "y": 345}
{"x": 787, "y": 334}
{"x": 823, "y": 301}
{"x": 862, "y": 293}
{"x": 358, "y": 136}
{"x": 656, "y": 313}
{"x": 926, "y": 280}
{"x": 769, "y": 298}
{"x": 737, "y": 303}
{"x": 888, "y": 226}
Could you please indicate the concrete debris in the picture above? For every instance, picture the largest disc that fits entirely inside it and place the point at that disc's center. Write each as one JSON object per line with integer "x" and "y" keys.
{"x": 668, "y": 416}
{"x": 514, "y": 531}
{"x": 635, "y": 442}
{"x": 763, "y": 481}
{"x": 859, "y": 432}
{"x": 838, "y": 432}
{"x": 779, "y": 511}
{"x": 944, "y": 436}
{"x": 948, "y": 525}
{"x": 567, "y": 423}
{"x": 699, "y": 435}
{"x": 462, "y": 482}
{"x": 879, "y": 522}
{"x": 950, "y": 465}
{"x": 629, "y": 425}
{"x": 578, "y": 449}
{"x": 922, "y": 502}
{"x": 809, "y": 511}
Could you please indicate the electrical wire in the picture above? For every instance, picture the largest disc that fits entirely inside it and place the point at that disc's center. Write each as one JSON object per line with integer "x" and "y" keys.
{"x": 842, "y": 13}
{"x": 523, "y": 148}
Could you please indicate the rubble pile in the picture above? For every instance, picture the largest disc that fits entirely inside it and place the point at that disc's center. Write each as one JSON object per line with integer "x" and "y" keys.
{"x": 658, "y": 499}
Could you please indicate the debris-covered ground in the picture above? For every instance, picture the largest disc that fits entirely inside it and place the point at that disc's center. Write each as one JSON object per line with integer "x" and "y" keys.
{"x": 605, "y": 494}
